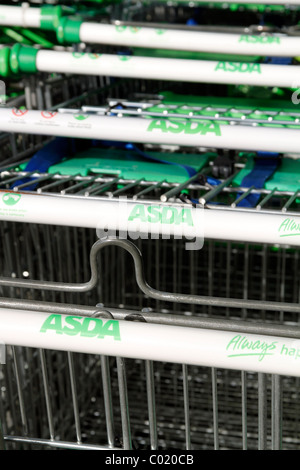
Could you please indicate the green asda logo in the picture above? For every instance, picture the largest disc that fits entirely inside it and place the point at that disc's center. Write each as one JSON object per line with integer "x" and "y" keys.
{"x": 10, "y": 199}
{"x": 160, "y": 214}
{"x": 82, "y": 326}
{"x": 238, "y": 67}
{"x": 252, "y": 39}
{"x": 185, "y": 126}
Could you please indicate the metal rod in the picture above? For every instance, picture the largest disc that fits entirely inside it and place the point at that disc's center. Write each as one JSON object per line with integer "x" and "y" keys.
{"x": 276, "y": 412}
{"x": 58, "y": 444}
{"x": 266, "y": 199}
{"x": 268, "y": 329}
{"x": 215, "y": 191}
{"x": 148, "y": 189}
{"x": 2, "y": 444}
{"x": 151, "y": 404}
{"x": 290, "y": 201}
{"x": 186, "y": 407}
{"x": 109, "y": 416}
{"x": 215, "y": 408}
{"x": 74, "y": 397}
{"x": 20, "y": 391}
{"x": 126, "y": 432}
{"x": 172, "y": 192}
{"x": 262, "y": 411}
{"x": 144, "y": 286}
{"x": 244, "y": 409}
{"x": 242, "y": 196}
{"x": 47, "y": 394}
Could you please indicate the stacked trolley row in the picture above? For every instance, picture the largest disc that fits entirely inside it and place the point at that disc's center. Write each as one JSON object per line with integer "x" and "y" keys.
{"x": 150, "y": 233}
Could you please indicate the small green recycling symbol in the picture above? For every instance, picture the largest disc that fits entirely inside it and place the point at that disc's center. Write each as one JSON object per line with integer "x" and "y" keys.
{"x": 10, "y": 199}
{"x": 80, "y": 117}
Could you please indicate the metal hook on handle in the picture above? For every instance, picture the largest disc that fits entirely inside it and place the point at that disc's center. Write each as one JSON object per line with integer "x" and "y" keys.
{"x": 144, "y": 286}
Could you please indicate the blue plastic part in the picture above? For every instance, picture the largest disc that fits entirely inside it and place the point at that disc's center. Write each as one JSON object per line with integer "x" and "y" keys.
{"x": 49, "y": 155}
{"x": 266, "y": 164}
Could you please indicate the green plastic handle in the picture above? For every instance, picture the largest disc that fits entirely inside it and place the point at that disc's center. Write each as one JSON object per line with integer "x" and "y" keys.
{"x": 22, "y": 59}
{"x": 67, "y": 30}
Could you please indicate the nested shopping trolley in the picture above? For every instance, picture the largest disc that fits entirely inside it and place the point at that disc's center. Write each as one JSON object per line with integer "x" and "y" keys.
{"x": 149, "y": 263}
{"x": 140, "y": 341}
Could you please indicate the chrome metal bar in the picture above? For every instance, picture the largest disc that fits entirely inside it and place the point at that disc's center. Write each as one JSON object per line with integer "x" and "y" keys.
{"x": 122, "y": 381}
{"x": 151, "y": 404}
{"x": 242, "y": 196}
{"x": 210, "y": 301}
{"x": 172, "y": 192}
{"x": 47, "y": 394}
{"x": 277, "y": 405}
{"x": 109, "y": 415}
{"x": 185, "y": 379}
{"x": 215, "y": 408}
{"x": 244, "y": 409}
{"x": 262, "y": 412}
{"x": 20, "y": 390}
{"x": 58, "y": 444}
{"x": 242, "y": 326}
{"x": 74, "y": 397}
{"x": 266, "y": 199}
{"x": 215, "y": 191}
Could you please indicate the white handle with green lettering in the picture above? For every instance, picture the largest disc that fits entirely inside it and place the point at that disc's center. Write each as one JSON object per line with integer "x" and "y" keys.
{"x": 190, "y": 40}
{"x": 191, "y": 132}
{"x": 132, "y": 218}
{"x": 153, "y": 68}
{"x": 175, "y": 344}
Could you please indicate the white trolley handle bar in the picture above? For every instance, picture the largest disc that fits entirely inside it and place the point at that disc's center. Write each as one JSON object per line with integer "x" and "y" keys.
{"x": 176, "y": 344}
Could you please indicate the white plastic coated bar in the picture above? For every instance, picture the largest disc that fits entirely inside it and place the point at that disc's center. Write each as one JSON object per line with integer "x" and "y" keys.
{"x": 191, "y": 133}
{"x": 168, "y": 343}
{"x": 193, "y": 41}
{"x": 131, "y": 218}
{"x": 23, "y": 15}
{"x": 154, "y": 68}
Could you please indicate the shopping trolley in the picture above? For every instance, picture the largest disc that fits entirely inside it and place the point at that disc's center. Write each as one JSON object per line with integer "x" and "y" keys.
{"x": 136, "y": 342}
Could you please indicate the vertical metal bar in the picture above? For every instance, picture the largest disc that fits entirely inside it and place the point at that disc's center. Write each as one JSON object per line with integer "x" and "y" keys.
{"x": 127, "y": 444}
{"x": 276, "y": 412}
{"x": 47, "y": 393}
{"x": 246, "y": 277}
{"x": 282, "y": 281}
{"x": 2, "y": 445}
{"x": 210, "y": 271}
{"x": 74, "y": 397}
{"x": 264, "y": 276}
{"x": 186, "y": 407}
{"x": 215, "y": 408}
{"x": 151, "y": 404}
{"x": 228, "y": 273}
{"x": 244, "y": 409}
{"x": 10, "y": 394}
{"x": 262, "y": 411}
{"x": 20, "y": 390}
{"x": 107, "y": 400}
